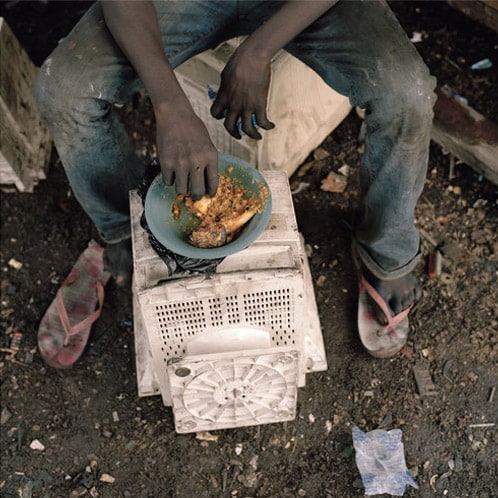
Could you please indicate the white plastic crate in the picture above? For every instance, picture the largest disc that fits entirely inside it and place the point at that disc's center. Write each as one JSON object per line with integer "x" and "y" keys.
{"x": 256, "y": 311}
{"x": 220, "y": 391}
{"x": 304, "y": 109}
{"x": 279, "y": 246}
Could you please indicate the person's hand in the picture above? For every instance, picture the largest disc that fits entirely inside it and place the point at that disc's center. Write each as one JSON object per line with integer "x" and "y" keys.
{"x": 245, "y": 81}
{"x": 187, "y": 156}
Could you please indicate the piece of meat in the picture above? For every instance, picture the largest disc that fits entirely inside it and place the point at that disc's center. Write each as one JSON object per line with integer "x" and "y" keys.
{"x": 224, "y": 214}
{"x": 221, "y": 233}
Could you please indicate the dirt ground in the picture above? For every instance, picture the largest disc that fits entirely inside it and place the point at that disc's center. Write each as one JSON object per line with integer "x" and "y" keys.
{"x": 101, "y": 439}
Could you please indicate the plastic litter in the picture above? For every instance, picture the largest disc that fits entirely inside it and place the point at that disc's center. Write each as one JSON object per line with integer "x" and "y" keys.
{"x": 381, "y": 461}
{"x": 416, "y": 38}
{"x": 453, "y": 93}
{"x": 482, "y": 64}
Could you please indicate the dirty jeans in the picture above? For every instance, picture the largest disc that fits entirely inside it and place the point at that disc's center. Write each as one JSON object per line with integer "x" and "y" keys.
{"x": 358, "y": 48}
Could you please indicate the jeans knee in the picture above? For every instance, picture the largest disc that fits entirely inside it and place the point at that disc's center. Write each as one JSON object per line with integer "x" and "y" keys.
{"x": 403, "y": 106}
{"x": 41, "y": 93}
{"x": 418, "y": 98}
{"x": 412, "y": 91}
{"x": 50, "y": 96}
{"x": 64, "y": 102}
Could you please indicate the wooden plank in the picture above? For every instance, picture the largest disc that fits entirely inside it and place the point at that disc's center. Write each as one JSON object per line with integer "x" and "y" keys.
{"x": 25, "y": 144}
{"x": 483, "y": 11}
{"x": 467, "y": 134}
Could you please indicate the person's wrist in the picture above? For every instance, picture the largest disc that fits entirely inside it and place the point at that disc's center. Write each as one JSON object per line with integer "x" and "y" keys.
{"x": 255, "y": 51}
{"x": 166, "y": 109}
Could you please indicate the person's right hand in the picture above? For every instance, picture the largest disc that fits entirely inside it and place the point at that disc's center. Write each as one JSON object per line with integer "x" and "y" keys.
{"x": 187, "y": 155}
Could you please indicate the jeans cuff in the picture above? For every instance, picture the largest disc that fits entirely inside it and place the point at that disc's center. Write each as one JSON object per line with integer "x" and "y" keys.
{"x": 380, "y": 272}
{"x": 117, "y": 237}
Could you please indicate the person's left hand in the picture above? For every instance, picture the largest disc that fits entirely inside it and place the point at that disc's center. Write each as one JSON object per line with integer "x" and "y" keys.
{"x": 243, "y": 92}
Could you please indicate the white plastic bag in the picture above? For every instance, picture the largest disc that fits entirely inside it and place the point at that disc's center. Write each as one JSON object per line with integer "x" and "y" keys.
{"x": 380, "y": 459}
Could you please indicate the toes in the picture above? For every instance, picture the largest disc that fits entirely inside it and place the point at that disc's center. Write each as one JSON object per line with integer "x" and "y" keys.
{"x": 401, "y": 301}
{"x": 380, "y": 316}
{"x": 398, "y": 294}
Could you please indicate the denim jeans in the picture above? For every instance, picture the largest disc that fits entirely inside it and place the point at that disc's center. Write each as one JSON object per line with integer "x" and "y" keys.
{"x": 357, "y": 47}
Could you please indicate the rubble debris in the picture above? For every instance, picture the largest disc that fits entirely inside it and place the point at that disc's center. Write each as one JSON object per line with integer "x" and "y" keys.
{"x": 334, "y": 182}
{"x": 206, "y": 436}
{"x": 13, "y": 263}
{"x": 416, "y": 37}
{"x": 492, "y": 394}
{"x": 107, "y": 478}
{"x": 320, "y": 153}
{"x": 300, "y": 187}
{"x": 5, "y": 416}
{"x": 37, "y": 445}
{"x": 435, "y": 264}
{"x": 423, "y": 379}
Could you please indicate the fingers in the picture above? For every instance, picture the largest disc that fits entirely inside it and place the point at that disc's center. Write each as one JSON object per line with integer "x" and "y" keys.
{"x": 231, "y": 125}
{"x": 218, "y": 109}
{"x": 204, "y": 179}
{"x": 264, "y": 122}
{"x": 181, "y": 181}
{"x": 168, "y": 176}
{"x": 197, "y": 189}
{"x": 211, "y": 178}
{"x": 249, "y": 126}
{"x": 199, "y": 178}
{"x": 248, "y": 123}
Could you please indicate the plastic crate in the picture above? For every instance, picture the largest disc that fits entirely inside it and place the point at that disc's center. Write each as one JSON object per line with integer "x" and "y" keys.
{"x": 279, "y": 246}
{"x": 304, "y": 109}
{"x": 218, "y": 391}
{"x": 255, "y": 317}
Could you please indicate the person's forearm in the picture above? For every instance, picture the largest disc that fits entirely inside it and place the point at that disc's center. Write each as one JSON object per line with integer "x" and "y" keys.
{"x": 290, "y": 20}
{"x": 135, "y": 28}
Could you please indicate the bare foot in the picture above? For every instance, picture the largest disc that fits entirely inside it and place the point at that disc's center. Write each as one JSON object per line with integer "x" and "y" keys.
{"x": 399, "y": 294}
{"x": 118, "y": 261}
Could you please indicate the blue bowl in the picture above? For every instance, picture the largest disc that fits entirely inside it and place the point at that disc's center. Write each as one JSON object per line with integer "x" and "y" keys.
{"x": 174, "y": 234}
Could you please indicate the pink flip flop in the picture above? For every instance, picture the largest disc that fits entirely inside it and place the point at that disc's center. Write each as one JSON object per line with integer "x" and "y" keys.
{"x": 65, "y": 326}
{"x": 381, "y": 341}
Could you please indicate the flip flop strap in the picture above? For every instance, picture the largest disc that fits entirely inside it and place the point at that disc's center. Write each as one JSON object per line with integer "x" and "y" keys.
{"x": 392, "y": 321}
{"x": 86, "y": 322}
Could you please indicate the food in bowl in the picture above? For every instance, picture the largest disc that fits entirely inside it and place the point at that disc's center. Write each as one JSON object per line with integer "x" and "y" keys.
{"x": 224, "y": 215}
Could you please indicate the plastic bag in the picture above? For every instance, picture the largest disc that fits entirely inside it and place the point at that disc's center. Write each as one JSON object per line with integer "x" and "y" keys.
{"x": 381, "y": 461}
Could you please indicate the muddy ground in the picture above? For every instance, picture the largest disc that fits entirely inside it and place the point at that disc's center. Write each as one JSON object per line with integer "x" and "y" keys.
{"x": 101, "y": 439}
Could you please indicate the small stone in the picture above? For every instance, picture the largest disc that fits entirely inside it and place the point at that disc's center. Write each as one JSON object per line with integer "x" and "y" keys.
{"x": 13, "y": 263}
{"x": 472, "y": 376}
{"x": 107, "y": 433}
{"x": 320, "y": 153}
{"x": 107, "y": 478}
{"x": 37, "y": 445}
{"x": 5, "y": 416}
